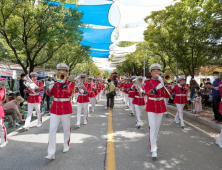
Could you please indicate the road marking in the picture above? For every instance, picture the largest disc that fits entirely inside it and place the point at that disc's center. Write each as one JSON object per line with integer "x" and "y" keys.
{"x": 194, "y": 126}
{"x": 110, "y": 154}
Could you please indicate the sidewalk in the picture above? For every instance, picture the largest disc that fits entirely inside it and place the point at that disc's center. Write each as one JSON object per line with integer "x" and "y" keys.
{"x": 205, "y": 119}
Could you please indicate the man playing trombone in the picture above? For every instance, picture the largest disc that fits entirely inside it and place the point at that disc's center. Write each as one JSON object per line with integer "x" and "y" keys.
{"x": 155, "y": 105}
{"x": 61, "y": 109}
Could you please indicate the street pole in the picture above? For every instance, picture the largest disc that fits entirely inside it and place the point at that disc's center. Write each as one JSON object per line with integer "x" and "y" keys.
{"x": 144, "y": 67}
{"x": 177, "y": 71}
{"x": 44, "y": 60}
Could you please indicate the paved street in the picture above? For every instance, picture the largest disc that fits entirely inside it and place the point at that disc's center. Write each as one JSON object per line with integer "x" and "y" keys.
{"x": 186, "y": 149}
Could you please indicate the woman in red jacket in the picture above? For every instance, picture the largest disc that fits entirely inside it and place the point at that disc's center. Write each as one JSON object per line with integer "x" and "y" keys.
{"x": 180, "y": 100}
{"x": 2, "y": 114}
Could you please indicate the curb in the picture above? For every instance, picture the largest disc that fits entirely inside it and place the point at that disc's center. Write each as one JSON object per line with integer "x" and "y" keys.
{"x": 200, "y": 120}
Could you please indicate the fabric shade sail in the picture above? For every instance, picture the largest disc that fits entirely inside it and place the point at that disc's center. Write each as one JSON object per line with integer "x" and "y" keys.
{"x": 99, "y": 55}
{"x": 97, "y": 35}
{"x": 146, "y": 2}
{"x": 131, "y": 34}
{"x": 96, "y": 45}
{"x": 99, "y": 52}
{"x": 118, "y": 49}
{"x": 93, "y": 14}
{"x": 129, "y": 14}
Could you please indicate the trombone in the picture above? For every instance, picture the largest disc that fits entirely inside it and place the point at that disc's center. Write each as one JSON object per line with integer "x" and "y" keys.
{"x": 165, "y": 88}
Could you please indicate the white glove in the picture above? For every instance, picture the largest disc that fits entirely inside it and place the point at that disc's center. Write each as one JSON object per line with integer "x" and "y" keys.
{"x": 51, "y": 85}
{"x": 81, "y": 91}
{"x": 159, "y": 86}
{"x": 160, "y": 79}
{"x": 33, "y": 86}
{"x": 141, "y": 91}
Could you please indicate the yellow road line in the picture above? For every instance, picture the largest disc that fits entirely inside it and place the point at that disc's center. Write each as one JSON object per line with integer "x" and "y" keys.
{"x": 110, "y": 153}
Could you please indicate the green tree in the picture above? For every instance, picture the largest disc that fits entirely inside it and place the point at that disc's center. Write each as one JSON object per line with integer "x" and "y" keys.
{"x": 27, "y": 28}
{"x": 181, "y": 33}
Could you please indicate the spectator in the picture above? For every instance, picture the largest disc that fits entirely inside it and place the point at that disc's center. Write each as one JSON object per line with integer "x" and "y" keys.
{"x": 193, "y": 84}
{"x": 22, "y": 87}
{"x": 110, "y": 87}
{"x": 189, "y": 99}
{"x": 198, "y": 104}
{"x": 208, "y": 93}
{"x": 11, "y": 108}
{"x": 203, "y": 83}
{"x": 216, "y": 97}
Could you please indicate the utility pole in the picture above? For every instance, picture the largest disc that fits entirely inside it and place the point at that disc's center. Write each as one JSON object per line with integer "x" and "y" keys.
{"x": 144, "y": 66}
{"x": 177, "y": 71}
{"x": 44, "y": 60}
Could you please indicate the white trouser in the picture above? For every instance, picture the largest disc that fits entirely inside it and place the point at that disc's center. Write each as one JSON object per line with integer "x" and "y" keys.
{"x": 31, "y": 106}
{"x": 75, "y": 97}
{"x": 145, "y": 98}
{"x": 179, "y": 115}
{"x": 219, "y": 139}
{"x": 154, "y": 126}
{"x": 131, "y": 105}
{"x": 124, "y": 97}
{"x": 92, "y": 102}
{"x": 54, "y": 123}
{"x": 120, "y": 92}
{"x": 127, "y": 99}
{"x": 3, "y": 130}
{"x": 166, "y": 100}
{"x": 100, "y": 94}
{"x": 138, "y": 114}
{"x": 85, "y": 107}
{"x": 97, "y": 97}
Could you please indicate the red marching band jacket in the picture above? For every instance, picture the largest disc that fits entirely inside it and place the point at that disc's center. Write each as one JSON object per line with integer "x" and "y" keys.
{"x": 165, "y": 94}
{"x": 62, "y": 98}
{"x": 139, "y": 98}
{"x": 127, "y": 87}
{"x": 180, "y": 95}
{"x": 93, "y": 89}
{"x": 132, "y": 92}
{"x": 2, "y": 97}
{"x": 220, "y": 90}
{"x": 84, "y": 98}
{"x": 35, "y": 98}
{"x": 155, "y": 102}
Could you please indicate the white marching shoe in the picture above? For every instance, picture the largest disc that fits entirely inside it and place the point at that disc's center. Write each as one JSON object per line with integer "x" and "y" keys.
{"x": 50, "y": 156}
{"x": 219, "y": 144}
{"x": 77, "y": 125}
{"x": 85, "y": 123}
{"x": 39, "y": 125}
{"x": 65, "y": 149}
{"x": 154, "y": 154}
{"x": 25, "y": 128}
{"x": 3, "y": 144}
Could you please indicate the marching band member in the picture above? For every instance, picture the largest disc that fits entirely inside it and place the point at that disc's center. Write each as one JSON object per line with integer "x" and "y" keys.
{"x": 76, "y": 94}
{"x": 138, "y": 100}
{"x": 131, "y": 97}
{"x": 126, "y": 90}
{"x": 99, "y": 89}
{"x": 2, "y": 114}
{"x": 61, "y": 109}
{"x": 34, "y": 101}
{"x": 180, "y": 100}
{"x": 92, "y": 93}
{"x": 83, "y": 101}
{"x": 166, "y": 96}
{"x": 96, "y": 89}
{"x": 219, "y": 139}
{"x": 155, "y": 105}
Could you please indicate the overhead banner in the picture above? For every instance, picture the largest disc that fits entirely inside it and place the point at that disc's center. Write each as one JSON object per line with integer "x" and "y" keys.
{"x": 96, "y": 45}
{"x": 93, "y": 35}
{"x": 93, "y": 14}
